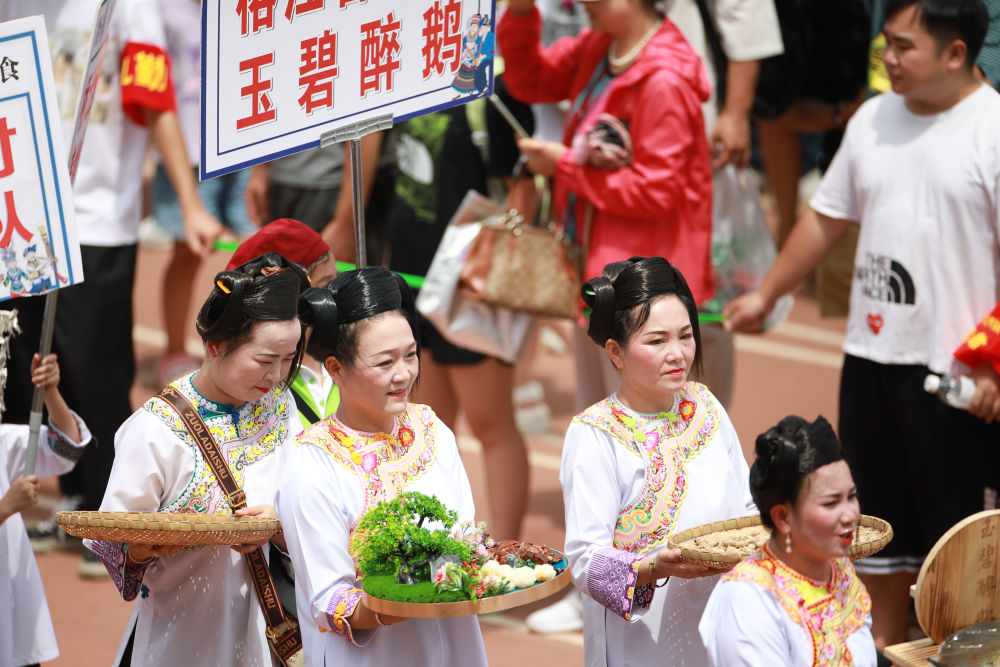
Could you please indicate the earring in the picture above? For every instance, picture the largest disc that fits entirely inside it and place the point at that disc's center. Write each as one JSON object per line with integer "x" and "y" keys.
{"x": 788, "y": 543}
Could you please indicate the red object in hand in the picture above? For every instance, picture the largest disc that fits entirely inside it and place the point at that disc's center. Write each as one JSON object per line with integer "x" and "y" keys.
{"x": 983, "y": 343}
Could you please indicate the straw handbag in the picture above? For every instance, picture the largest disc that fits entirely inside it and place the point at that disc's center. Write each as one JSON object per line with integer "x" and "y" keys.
{"x": 282, "y": 632}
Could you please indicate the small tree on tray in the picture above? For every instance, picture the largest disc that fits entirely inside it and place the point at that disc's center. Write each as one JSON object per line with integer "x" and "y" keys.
{"x": 391, "y": 538}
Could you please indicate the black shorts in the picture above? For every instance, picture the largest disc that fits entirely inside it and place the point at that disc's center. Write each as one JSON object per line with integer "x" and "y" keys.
{"x": 919, "y": 464}
{"x": 443, "y": 351}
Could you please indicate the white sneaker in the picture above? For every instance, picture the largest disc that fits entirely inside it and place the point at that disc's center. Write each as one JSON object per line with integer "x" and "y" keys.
{"x": 563, "y": 616}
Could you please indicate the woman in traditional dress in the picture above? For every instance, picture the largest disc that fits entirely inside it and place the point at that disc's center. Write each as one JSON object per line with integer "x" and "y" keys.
{"x": 198, "y": 606}
{"x": 797, "y": 600}
{"x": 465, "y": 81}
{"x": 658, "y": 456}
{"x": 376, "y": 446}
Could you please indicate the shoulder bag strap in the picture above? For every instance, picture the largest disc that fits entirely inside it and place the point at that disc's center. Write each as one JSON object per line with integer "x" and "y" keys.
{"x": 302, "y": 403}
{"x": 284, "y": 638}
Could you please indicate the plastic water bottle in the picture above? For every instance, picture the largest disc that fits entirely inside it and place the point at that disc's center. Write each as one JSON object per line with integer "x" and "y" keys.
{"x": 956, "y": 391}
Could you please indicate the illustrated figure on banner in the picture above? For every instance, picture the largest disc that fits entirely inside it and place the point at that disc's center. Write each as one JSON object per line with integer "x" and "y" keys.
{"x": 14, "y": 278}
{"x": 484, "y": 60}
{"x": 465, "y": 82}
{"x": 41, "y": 271}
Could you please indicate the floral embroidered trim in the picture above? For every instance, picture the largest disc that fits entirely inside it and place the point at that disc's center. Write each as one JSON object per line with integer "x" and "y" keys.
{"x": 611, "y": 577}
{"x": 829, "y": 613}
{"x": 245, "y": 436}
{"x": 127, "y": 578}
{"x": 665, "y": 442}
{"x": 341, "y": 606}
{"x": 385, "y": 462}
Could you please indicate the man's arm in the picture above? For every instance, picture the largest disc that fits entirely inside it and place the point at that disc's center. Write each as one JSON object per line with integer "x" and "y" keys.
{"x": 812, "y": 238}
{"x": 730, "y": 140}
{"x": 339, "y": 232}
{"x": 200, "y": 227}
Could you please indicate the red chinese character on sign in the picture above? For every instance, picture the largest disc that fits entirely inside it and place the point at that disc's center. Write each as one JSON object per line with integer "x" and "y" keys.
{"x": 318, "y": 69}
{"x": 442, "y": 36}
{"x": 6, "y": 154}
{"x": 344, "y": 3}
{"x": 13, "y": 222}
{"x": 379, "y": 52}
{"x": 255, "y": 15}
{"x": 262, "y": 110}
{"x": 296, "y": 7}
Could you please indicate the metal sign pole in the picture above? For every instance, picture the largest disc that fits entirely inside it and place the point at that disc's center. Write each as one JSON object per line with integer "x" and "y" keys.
{"x": 103, "y": 20}
{"x": 353, "y": 134}
{"x": 358, "y": 190}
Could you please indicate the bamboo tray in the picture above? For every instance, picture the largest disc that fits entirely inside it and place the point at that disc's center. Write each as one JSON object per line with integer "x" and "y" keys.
{"x": 188, "y": 529}
{"x": 521, "y": 596}
{"x": 725, "y": 560}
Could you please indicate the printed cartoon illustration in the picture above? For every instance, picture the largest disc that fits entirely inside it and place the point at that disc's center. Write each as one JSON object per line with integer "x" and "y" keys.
{"x": 14, "y": 278}
{"x": 38, "y": 272}
{"x": 465, "y": 80}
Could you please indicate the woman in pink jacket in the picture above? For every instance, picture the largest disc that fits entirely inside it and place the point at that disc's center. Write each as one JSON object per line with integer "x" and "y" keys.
{"x": 633, "y": 172}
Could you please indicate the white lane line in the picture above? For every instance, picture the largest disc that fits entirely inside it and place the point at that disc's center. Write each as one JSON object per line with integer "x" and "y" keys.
{"x": 787, "y": 351}
{"x": 473, "y": 446}
{"x": 517, "y": 625}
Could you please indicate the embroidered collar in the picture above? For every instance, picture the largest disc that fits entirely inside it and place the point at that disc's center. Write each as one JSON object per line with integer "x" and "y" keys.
{"x": 666, "y": 442}
{"x": 829, "y": 612}
{"x": 385, "y": 462}
{"x": 245, "y": 436}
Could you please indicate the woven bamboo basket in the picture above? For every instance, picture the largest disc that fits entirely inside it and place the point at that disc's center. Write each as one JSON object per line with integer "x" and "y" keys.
{"x": 725, "y": 560}
{"x": 186, "y": 529}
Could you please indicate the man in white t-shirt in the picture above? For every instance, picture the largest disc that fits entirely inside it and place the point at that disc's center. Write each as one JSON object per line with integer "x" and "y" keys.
{"x": 134, "y": 102}
{"x": 919, "y": 171}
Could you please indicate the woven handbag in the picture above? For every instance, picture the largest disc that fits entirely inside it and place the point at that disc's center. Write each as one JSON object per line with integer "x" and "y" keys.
{"x": 524, "y": 267}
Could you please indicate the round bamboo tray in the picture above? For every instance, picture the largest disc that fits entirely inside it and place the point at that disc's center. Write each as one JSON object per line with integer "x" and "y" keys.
{"x": 521, "y": 596}
{"x": 186, "y": 529}
{"x": 725, "y": 560}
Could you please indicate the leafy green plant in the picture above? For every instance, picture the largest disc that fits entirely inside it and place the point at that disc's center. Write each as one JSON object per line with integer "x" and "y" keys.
{"x": 391, "y": 538}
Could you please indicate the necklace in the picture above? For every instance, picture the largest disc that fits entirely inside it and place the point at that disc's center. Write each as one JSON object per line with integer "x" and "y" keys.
{"x": 620, "y": 63}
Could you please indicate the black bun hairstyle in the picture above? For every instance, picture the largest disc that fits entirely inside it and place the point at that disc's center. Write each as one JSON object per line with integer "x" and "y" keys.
{"x": 266, "y": 288}
{"x": 334, "y": 309}
{"x": 620, "y": 300}
{"x": 786, "y": 454}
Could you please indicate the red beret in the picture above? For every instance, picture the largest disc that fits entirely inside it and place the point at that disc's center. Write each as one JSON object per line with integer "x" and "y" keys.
{"x": 290, "y": 238}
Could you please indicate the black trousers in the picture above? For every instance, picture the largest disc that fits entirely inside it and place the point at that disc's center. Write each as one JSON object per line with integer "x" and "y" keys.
{"x": 93, "y": 338}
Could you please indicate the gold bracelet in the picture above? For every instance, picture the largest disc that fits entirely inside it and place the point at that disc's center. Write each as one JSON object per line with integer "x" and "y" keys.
{"x": 129, "y": 556}
{"x": 652, "y": 577}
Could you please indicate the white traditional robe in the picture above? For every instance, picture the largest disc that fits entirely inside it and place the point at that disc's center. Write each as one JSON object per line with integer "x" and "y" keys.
{"x": 26, "y": 634}
{"x": 329, "y": 479}
{"x": 630, "y": 481}
{"x": 197, "y": 606}
{"x": 765, "y": 613}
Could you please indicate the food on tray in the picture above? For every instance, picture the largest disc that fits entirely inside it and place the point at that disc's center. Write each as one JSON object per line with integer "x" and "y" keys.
{"x": 730, "y": 542}
{"x": 406, "y": 551}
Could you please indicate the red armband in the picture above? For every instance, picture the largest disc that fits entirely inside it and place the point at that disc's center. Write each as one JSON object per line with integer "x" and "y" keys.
{"x": 146, "y": 81}
{"x": 982, "y": 345}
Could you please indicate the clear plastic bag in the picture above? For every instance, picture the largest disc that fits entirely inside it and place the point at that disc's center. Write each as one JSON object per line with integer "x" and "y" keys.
{"x": 742, "y": 248}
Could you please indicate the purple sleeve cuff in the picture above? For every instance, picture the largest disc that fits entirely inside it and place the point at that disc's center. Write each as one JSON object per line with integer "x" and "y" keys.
{"x": 341, "y": 606}
{"x": 127, "y": 578}
{"x": 611, "y": 578}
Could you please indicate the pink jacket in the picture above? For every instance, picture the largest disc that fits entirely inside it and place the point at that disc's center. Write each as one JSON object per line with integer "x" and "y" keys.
{"x": 660, "y": 204}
